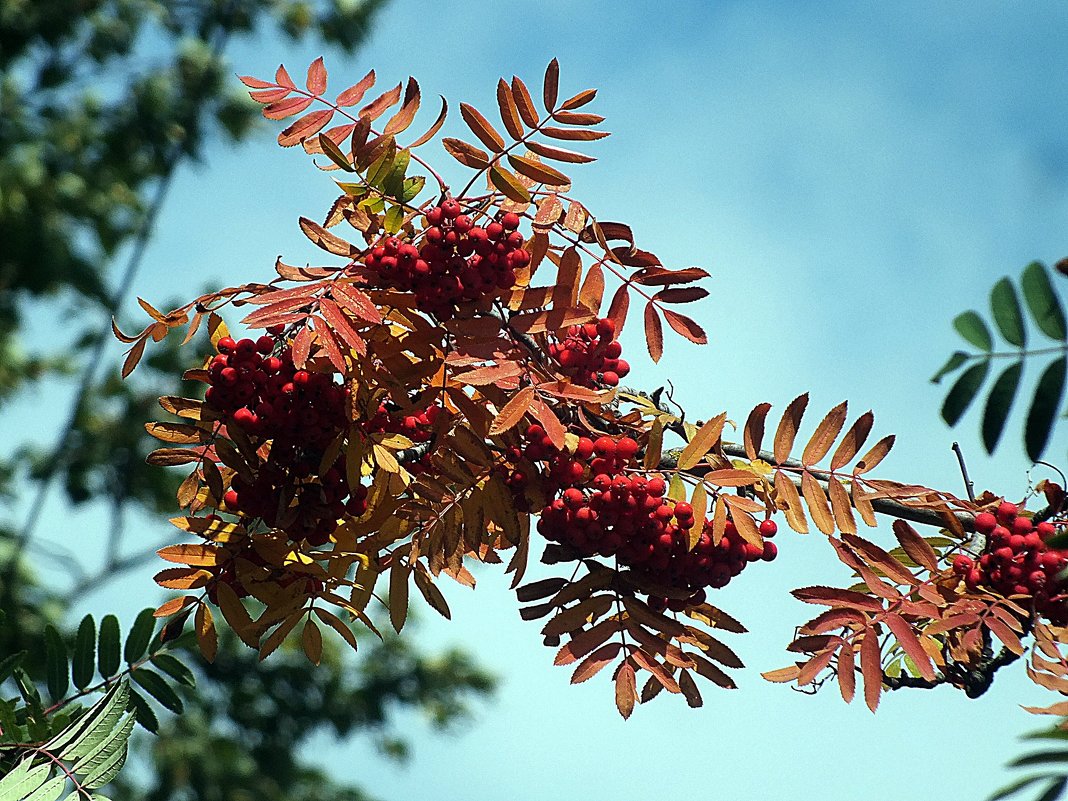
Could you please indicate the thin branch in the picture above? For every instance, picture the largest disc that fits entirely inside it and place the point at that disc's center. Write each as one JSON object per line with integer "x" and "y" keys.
{"x": 969, "y": 485}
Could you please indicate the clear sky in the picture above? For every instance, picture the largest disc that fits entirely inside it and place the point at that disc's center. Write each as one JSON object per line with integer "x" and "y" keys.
{"x": 853, "y": 175}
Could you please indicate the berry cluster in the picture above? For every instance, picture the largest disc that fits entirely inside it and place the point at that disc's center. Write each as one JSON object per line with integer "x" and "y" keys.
{"x": 416, "y": 427}
{"x": 458, "y": 260}
{"x": 628, "y": 517}
{"x": 1018, "y": 561}
{"x": 589, "y": 355}
{"x": 300, "y": 413}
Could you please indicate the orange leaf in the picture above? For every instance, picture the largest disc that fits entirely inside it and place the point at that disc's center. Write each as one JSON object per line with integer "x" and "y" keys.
{"x": 554, "y": 429}
{"x": 566, "y": 290}
{"x": 852, "y": 441}
{"x": 617, "y": 309}
{"x": 871, "y": 667}
{"x": 174, "y": 605}
{"x": 654, "y": 332}
{"x": 753, "y": 433}
{"x": 843, "y": 510}
{"x": 573, "y": 134}
{"x": 787, "y": 430}
{"x": 406, "y": 115}
{"x": 281, "y": 77}
{"x": 356, "y": 302}
{"x": 207, "y": 637}
{"x": 316, "y": 82}
{"x": 703, "y": 441}
{"x": 847, "y": 677}
{"x": 398, "y": 594}
{"x": 626, "y": 689}
{"x": 581, "y": 99}
{"x": 577, "y": 118}
{"x": 513, "y": 411}
{"x": 133, "y": 356}
{"x": 824, "y": 435}
{"x": 732, "y": 478}
{"x": 524, "y": 102}
{"x": 592, "y": 292}
{"x": 782, "y": 675}
{"x": 816, "y": 499}
{"x": 287, "y": 108}
{"x": 341, "y": 325}
{"x": 918, "y": 549}
{"x": 194, "y": 555}
{"x": 332, "y": 243}
{"x": 875, "y": 455}
{"x": 377, "y": 107}
{"x": 790, "y": 502}
{"x": 910, "y": 644}
{"x": 433, "y": 129}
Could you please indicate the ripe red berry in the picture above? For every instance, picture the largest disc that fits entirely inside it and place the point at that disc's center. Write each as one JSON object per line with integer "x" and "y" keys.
{"x": 985, "y": 522}
{"x": 1006, "y": 512}
{"x": 450, "y": 209}
{"x": 626, "y": 448}
{"x": 770, "y": 551}
{"x": 604, "y": 446}
{"x": 962, "y": 564}
{"x": 768, "y": 528}
{"x": 510, "y": 221}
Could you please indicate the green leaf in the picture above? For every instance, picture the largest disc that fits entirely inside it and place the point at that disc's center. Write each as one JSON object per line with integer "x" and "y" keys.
{"x": 1044, "y": 408}
{"x": 1007, "y": 315}
{"x": 156, "y": 686}
{"x": 381, "y": 167}
{"x": 1015, "y": 787}
{"x": 104, "y": 761}
{"x": 9, "y": 663}
{"x": 57, "y": 669}
{"x": 393, "y": 183}
{"x": 998, "y": 404}
{"x": 1054, "y": 790}
{"x": 139, "y": 637}
{"x": 962, "y": 393}
{"x": 394, "y": 219}
{"x": 971, "y": 326}
{"x": 412, "y": 187}
{"x": 94, "y": 726}
{"x": 27, "y": 688}
{"x": 83, "y": 660}
{"x": 146, "y": 718}
{"x": 108, "y": 654}
{"x": 50, "y": 790}
{"x": 1042, "y": 301}
{"x": 23, "y": 780}
{"x": 956, "y": 360}
{"x": 1040, "y": 758}
{"x": 175, "y": 669}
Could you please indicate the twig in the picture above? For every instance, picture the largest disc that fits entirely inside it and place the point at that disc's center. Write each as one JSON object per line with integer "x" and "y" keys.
{"x": 969, "y": 485}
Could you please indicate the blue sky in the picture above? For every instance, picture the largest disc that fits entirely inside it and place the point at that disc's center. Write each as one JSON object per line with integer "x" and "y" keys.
{"x": 853, "y": 176}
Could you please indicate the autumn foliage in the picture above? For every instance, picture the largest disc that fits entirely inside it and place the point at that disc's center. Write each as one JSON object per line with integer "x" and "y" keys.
{"x": 455, "y": 370}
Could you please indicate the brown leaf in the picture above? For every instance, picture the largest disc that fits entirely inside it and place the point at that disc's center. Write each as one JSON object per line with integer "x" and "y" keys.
{"x": 482, "y": 128}
{"x": 566, "y": 290}
{"x": 852, "y": 441}
{"x": 513, "y": 411}
{"x": 356, "y": 302}
{"x": 592, "y": 664}
{"x": 834, "y": 596}
{"x": 329, "y": 242}
{"x": 553, "y": 320}
{"x": 180, "y": 433}
{"x": 654, "y": 332}
{"x": 790, "y": 502}
{"x": 524, "y": 102}
{"x": 509, "y": 110}
{"x": 626, "y": 689}
{"x": 818, "y": 506}
{"x": 871, "y": 667}
{"x": 334, "y": 622}
{"x": 573, "y": 134}
{"x": 311, "y": 640}
{"x": 538, "y": 172}
{"x": 824, "y": 435}
{"x": 133, "y": 356}
{"x": 617, "y": 309}
{"x": 753, "y": 433}
{"x": 592, "y": 292}
{"x": 354, "y": 94}
{"x": 577, "y": 118}
{"x": 782, "y": 675}
{"x": 730, "y": 477}
{"x": 236, "y": 615}
{"x": 703, "y": 441}
{"x": 917, "y": 548}
{"x": 649, "y": 663}
{"x": 508, "y": 184}
{"x": 1007, "y": 636}
{"x": 685, "y": 326}
{"x": 431, "y": 594}
{"x": 551, "y": 86}
{"x": 875, "y": 455}
{"x": 558, "y": 153}
{"x": 581, "y": 99}
{"x": 787, "y": 430}
{"x": 682, "y": 294}
{"x": 398, "y": 593}
{"x": 170, "y": 457}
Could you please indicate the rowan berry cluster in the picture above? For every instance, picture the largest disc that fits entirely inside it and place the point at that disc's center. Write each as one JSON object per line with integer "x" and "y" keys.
{"x": 457, "y": 261}
{"x": 299, "y": 412}
{"x": 589, "y": 354}
{"x": 1018, "y": 561}
{"x": 629, "y": 517}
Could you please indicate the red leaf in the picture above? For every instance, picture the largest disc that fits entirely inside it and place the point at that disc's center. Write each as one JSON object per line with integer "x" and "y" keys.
{"x": 592, "y": 664}
{"x": 308, "y": 125}
{"x": 872, "y": 668}
{"x": 684, "y": 294}
{"x": 910, "y": 643}
{"x": 255, "y": 83}
{"x": 355, "y": 301}
{"x": 403, "y": 118}
{"x": 281, "y": 77}
{"x": 316, "y": 82}
{"x": 270, "y": 95}
{"x": 481, "y": 127}
{"x": 573, "y": 134}
{"x": 354, "y": 94}
{"x": 559, "y": 154}
{"x": 377, "y": 107}
{"x": 466, "y": 154}
{"x": 654, "y": 332}
{"x": 685, "y": 326}
{"x": 342, "y": 325}
{"x": 287, "y": 108}
{"x": 433, "y": 129}
{"x": 833, "y": 596}
{"x": 617, "y": 309}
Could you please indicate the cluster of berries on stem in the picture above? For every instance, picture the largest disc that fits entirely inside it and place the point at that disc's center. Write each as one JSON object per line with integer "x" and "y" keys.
{"x": 1018, "y": 561}
{"x": 589, "y": 354}
{"x": 458, "y": 261}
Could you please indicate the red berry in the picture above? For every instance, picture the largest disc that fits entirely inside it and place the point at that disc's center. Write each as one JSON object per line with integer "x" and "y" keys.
{"x": 510, "y": 221}
{"x": 985, "y": 522}
{"x": 1006, "y": 511}
{"x": 584, "y": 449}
{"x": 655, "y": 486}
{"x": 226, "y": 345}
{"x": 450, "y": 209}
{"x": 1022, "y": 525}
{"x": 604, "y": 446}
{"x": 626, "y": 448}
{"x": 768, "y": 528}
{"x": 770, "y": 552}
{"x": 962, "y": 564}
{"x": 606, "y": 328}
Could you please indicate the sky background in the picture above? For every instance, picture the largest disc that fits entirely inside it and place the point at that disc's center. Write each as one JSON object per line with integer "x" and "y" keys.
{"x": 853, "y": 176}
